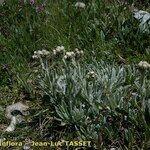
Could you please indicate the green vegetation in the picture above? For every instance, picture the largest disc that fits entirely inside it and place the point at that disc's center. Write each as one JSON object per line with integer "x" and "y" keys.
{"x": 97, "y": 92}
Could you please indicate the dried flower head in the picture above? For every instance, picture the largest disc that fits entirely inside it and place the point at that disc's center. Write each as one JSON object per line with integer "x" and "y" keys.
{"x": 69, "y": 55}
{"x": 78, "y": 53}
{"x": 80, "y": 5}
{"x": 35, "y": 57}
{"x": 91, "y": 75}
{"x": 59, "y": 50}
{"x": 40, "y": 53}
{"x": 144, "y": 65}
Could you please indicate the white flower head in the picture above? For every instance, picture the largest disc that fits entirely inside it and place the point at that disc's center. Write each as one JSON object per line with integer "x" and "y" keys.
{"x": 45, "y": 52}
{"x": 65, "y": 57}
{"x": 91, "y": 72}
{"x": 35, "y": 52}
{"x": 91, "y": 75}
{"x": 81, "y": 52}
{"x": 35, "y": 57}
{"x": 59, "y": 50}
{"x": 76, "y": 49}
{"x": 40, "y": 53}
{"x": 83, "y": 105}
{"x": 144, "y": 65}
{"x": 80, "y": 5}
{"x": 62, "y": 48}
{"x": 78, "y": 53}
{"x": 54, "y": 51}
{"x": 69, "y": 55}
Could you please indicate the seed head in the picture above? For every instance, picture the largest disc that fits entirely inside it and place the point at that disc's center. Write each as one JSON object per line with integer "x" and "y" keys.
{"x": 80, "y": 5}
{"x": 59, "y": 50}
{"x": 91, "y": 75}
{"x": 144, "y": 65}
{"x": 69, "y": 55}
{"x": 78, "y": 53}
{"x": 40, "y": 53}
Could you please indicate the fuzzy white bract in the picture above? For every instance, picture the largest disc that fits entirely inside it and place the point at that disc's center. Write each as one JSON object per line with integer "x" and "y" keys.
{"x": 73, "y": 54}
{"x": 69, "y": 55}
{"x": 78, "y": 53}
{"x": 80, "y": 5}
{"x": 91, "y": 75}
{"x": 144, "y": 65}
{"x": 59, "y": 50}
{"x": 40, "y": 53}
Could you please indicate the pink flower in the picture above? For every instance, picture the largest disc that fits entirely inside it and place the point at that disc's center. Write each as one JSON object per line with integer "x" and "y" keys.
{"x": 39, "y": 8}
{"x": 32, "y": 2}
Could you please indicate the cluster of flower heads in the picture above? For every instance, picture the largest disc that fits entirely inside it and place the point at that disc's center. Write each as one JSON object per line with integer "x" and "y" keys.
{"x": 40, "y": 53}
{"x": 144, "y": 65}
{"x": 91, "y": 75}
{"x": 69, "y": 55}
{"x": 76, "y": 54}
{"x": 80, "y": 5}
{"x": 59, "y": 50}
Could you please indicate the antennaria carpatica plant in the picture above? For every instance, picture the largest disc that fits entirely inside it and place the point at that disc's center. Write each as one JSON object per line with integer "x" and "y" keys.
{"x": 99, "y": 101}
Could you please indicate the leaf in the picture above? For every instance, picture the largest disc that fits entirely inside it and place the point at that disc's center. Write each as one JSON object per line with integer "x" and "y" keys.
{"x": 147, "y": 115}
